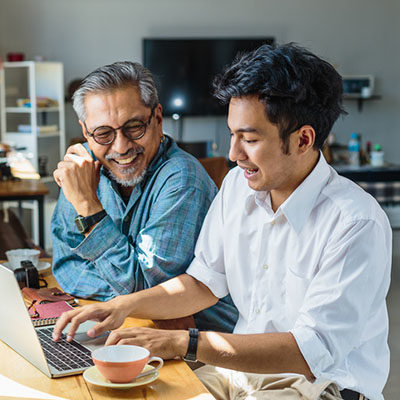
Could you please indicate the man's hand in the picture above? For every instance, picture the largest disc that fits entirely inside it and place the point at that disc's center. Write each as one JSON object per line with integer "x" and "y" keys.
{"x": 78, "y": 175}
{"x": 166, "y": 344}
{"x": 110, "y": 315}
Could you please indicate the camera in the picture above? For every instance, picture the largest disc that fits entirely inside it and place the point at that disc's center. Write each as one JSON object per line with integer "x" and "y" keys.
{"x": 28, "y": 276}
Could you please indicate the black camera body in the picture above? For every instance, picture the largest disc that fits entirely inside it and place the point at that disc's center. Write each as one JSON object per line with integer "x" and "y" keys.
{"x": 27, "y": 275}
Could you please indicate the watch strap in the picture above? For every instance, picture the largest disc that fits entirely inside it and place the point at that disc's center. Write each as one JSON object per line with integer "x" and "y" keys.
{"x": 85, "y": 223}
{"x": 191, "y": 354}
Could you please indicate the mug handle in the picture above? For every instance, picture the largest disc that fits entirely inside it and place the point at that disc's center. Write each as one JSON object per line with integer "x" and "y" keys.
{"x": 151, "y": 371}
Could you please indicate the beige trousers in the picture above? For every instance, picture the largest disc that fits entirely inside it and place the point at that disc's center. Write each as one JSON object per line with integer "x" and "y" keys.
{"x": 226, "y": 384}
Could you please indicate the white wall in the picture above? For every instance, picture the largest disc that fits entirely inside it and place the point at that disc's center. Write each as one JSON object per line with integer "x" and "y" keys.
{"x": 359, "y": 36}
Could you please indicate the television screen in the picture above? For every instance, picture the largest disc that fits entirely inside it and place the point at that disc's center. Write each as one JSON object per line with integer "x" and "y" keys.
{"x": 185, "y": 68}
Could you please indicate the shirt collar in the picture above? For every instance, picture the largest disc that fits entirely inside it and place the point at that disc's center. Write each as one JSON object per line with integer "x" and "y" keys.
{"x": 300, "y": 203}
{"x": 256, "y": 198}
{"x": 159, "y": 158}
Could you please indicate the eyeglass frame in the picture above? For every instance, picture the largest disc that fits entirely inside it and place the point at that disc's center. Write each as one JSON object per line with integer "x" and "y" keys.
{"x": 114, "y": 130}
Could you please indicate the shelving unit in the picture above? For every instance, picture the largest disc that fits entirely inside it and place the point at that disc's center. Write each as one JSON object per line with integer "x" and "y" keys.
{"x": 360, "y": 100}
{"x": 32, "y": 80}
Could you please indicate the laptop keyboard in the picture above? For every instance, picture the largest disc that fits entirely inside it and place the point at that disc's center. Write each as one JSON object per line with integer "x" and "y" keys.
{"x": 64, "y": 355}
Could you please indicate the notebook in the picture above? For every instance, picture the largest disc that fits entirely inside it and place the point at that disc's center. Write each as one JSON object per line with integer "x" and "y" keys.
{"x": 48, "y": 312}
{"x": 35, "y": 344}
{"x": 46, "y": 295}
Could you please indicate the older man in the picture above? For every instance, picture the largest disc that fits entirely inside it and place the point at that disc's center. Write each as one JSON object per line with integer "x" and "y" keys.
{"x": 132, "y": 203}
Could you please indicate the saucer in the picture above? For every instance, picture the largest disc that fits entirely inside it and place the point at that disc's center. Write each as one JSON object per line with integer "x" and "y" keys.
{"x": 93, "y": 376}
{"x": 42, "y": 265}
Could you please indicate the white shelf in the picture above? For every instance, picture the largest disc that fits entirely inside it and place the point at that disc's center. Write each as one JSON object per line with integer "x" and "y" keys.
{"x": 28, "y": 110}
{"x": 19, "y": 64}
{"x": 39, "y": 135}
{"x": 29, "y": 204}
{"x": 43, "y": 135}
{"x": 31, "y": 80}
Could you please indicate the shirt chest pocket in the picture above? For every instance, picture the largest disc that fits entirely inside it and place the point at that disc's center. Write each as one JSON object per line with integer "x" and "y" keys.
{"x": 297, "y": 282}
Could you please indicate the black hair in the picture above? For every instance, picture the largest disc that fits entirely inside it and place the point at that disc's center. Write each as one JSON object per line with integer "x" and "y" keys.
{"x": 297, "y": 87}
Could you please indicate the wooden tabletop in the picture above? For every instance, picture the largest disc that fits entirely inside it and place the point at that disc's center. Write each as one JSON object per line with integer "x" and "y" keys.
{"x": 23, "y": 188}
{"x": 176, "y": 380}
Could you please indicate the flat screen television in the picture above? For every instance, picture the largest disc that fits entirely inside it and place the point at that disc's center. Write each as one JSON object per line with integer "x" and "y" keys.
{"x": 185, "y": 68}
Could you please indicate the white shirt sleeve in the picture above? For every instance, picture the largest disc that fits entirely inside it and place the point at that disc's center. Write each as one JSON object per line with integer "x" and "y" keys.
{"x": 208, "y": 266}
{"x": 349, "y": 287}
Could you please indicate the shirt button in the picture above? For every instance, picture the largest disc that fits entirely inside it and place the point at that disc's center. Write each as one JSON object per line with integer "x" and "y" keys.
{"x": 257, "y": 310}
{"x": 273, "y": 222}
{"x": 265, "y": 266}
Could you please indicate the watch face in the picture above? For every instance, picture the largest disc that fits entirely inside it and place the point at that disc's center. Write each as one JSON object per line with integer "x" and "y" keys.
{"x": 80, "y": 224}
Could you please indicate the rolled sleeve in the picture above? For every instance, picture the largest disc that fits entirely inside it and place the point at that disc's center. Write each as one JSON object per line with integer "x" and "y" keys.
{"x": 313, "y": 349}
{"x": 214, "y": 280}
{"x": 104, "y": 235}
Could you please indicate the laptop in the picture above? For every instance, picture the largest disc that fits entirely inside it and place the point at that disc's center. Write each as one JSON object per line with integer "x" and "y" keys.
{"x": 35, "y": 344}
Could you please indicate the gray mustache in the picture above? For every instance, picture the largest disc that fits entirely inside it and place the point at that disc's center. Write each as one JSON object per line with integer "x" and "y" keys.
{"x": 129, "y": 153}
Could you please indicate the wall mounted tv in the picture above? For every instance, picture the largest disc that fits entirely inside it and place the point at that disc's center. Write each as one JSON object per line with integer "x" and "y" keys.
{"x": 185, "y": 68}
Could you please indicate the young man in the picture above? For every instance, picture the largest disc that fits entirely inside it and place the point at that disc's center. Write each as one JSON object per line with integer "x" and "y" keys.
{"x": 304, "y": 252}
{"x": 132, "y": 203}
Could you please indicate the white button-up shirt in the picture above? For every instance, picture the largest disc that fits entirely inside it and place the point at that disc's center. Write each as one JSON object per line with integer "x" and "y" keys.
{"x": 318, "y": 267}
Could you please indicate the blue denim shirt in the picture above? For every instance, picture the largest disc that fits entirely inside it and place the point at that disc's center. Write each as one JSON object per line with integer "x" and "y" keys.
{"x": 144, "y": 242}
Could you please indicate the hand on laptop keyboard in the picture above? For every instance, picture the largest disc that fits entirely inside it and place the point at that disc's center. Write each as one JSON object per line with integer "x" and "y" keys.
{"x": 110, "y": 314}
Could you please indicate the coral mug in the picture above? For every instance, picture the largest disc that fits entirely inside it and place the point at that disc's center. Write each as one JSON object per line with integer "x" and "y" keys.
{"x": 124, "y": 363}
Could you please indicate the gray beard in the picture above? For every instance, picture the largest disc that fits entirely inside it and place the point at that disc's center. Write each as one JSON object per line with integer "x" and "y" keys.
{"x": 128, "y": 182}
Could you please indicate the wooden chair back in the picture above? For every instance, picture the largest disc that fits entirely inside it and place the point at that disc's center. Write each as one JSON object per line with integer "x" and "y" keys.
{"x": 216, "y": 167}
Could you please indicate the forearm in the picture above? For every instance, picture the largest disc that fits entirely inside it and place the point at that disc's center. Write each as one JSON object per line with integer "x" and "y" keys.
{"x": 175, "y": 298}
{"x": 257, "y": 353}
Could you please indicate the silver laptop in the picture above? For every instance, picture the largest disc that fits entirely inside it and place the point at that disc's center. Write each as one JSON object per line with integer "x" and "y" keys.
{"x": 55, "y": 359}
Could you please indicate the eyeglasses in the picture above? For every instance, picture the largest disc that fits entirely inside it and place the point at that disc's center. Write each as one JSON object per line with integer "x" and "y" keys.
{"x": 133, "y": 129}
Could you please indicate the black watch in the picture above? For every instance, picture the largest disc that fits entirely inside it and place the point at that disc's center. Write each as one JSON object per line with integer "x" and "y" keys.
{"x": 191, "y": 354}
{"x": 85, "y": 223}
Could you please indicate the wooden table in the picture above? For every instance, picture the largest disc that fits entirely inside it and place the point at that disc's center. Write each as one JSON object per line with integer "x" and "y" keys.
{"x": 176, "y": 380}
{"x": 26, "y": 189}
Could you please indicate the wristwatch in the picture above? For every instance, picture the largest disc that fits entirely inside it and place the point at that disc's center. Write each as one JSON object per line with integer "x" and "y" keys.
{"x": 85, "y": 223}
{"x": 191, "y": 354}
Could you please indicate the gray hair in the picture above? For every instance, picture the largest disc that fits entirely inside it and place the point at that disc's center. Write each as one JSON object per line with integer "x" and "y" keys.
{"x": 115, "y": 76}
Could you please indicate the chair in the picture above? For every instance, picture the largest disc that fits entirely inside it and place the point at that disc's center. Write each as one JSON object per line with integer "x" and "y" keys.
{"x": 216, "y": 167}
